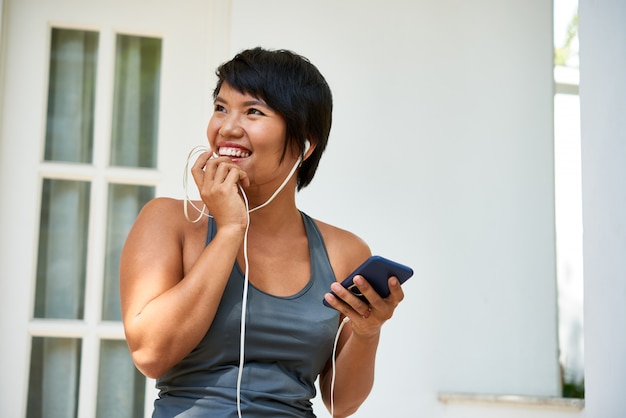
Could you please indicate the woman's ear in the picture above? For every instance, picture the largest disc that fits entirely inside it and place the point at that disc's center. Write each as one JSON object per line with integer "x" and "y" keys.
{"x": 308, "y": 149}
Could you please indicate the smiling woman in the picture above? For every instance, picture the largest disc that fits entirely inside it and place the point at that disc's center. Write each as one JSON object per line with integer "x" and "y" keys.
{"x": 307, "y": 115}
{"x": 226, "y": 313}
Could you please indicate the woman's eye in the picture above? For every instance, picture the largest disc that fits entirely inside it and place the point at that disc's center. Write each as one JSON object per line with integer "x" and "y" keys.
{"x": 219, "y": 108}
{"x": 254, "y": 111}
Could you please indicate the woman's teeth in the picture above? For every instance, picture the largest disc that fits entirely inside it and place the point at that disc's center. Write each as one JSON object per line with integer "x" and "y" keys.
{"x": 234, "y": 152}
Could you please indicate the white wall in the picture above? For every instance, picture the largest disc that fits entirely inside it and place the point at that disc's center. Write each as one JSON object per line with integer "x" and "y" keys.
{"x": 603, "y": 105}
{"x": 441, "y": 157}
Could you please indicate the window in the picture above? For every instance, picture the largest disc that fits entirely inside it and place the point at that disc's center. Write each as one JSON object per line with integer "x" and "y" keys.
{"x": 92, "y": 187}
{"x": 568, "y": 198}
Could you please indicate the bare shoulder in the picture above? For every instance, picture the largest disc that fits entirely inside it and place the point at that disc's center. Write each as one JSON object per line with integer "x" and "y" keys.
{"x": 161, "y": 240}
{"x": 162, "y": 206}
{"x": 346, "y": 250}
{"x": 162, "y": 223}
{"x": 168, "y": 212}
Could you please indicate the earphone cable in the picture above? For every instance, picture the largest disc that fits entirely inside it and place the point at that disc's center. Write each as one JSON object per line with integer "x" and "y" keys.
{"x": 203, "y": 212}
{"x": 244, "y": 304}
{"x": 187, "y": 201}
{"x": 334, "y": 366}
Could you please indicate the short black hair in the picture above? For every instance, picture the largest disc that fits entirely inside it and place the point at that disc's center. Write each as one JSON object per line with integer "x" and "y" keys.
{"x": 292, "y": 86}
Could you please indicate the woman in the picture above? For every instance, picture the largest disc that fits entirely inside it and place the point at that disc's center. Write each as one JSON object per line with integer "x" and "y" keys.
{"x": 185, "y": 286}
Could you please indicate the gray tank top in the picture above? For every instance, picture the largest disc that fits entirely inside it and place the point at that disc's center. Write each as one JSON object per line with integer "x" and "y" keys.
{"x": 288, "y": 342}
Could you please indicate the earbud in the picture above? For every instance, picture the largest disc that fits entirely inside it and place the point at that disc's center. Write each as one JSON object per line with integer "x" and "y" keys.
{"x": 307, "y": 145}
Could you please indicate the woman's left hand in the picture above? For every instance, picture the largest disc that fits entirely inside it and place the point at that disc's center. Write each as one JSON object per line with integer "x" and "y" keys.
{"x": 366, "y": 320}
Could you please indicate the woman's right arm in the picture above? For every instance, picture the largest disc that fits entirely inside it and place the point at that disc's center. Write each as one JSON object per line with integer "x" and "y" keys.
{"x": 166, "y": 312}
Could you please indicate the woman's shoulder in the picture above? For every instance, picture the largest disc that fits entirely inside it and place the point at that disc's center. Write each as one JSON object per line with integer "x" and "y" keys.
{"x": 167, "y": 206}
{"x": 340, "y": 235}
{"x": 170, "y": 213}
{"x": 346, "y": 250}
{"x": 160, "y": 204}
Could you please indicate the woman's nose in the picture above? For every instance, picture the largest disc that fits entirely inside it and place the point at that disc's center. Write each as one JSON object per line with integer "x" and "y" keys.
{"x": 231, "y": 127}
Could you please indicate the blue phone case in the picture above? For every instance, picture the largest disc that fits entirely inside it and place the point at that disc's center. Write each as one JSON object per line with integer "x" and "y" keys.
{"x": 377, "y": 270}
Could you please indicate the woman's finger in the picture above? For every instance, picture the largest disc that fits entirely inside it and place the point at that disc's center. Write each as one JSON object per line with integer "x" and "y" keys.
{"x": 198, "y": 168}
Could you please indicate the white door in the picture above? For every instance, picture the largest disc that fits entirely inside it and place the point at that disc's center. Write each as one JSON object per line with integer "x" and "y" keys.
{"x": 100, "y": 103}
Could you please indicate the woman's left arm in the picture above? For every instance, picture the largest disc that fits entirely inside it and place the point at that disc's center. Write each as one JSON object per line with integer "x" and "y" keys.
{"x": 354, "y": 368}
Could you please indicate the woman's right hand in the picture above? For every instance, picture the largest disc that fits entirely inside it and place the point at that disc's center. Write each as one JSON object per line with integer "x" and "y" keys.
{"x": 218, "y": 179}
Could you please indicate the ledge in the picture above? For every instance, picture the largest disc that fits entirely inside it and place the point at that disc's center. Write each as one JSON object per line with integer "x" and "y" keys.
{"x": 517, "y": 400}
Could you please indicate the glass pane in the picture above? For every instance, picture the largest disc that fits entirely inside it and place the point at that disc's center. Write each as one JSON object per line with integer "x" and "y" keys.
{"x": 62, "y": 258}
{"x": 569, "y": 243}
{"x": 71, "y": 93}
{"x": 136, "y": 101}
{"x": 54, "y": 378}
{"x": 125, "y": 202}
{"x": 121, "y": 387}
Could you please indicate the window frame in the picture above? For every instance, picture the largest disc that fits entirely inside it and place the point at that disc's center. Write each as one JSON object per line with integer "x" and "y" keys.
{"x": 91, "y": 330}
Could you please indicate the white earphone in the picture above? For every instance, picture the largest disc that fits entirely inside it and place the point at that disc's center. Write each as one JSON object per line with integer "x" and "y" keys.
{"x": 307, "y": 146}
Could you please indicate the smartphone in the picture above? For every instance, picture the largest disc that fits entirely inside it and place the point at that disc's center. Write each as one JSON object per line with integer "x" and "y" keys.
{"x": 377, "y": 270}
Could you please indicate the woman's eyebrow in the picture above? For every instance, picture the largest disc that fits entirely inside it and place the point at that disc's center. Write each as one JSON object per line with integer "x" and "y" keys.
{"x": 254, "y": 102}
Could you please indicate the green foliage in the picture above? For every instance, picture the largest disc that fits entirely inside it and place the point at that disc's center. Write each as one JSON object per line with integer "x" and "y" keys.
{"x": 574, "y": 390}
{"x": 563, "y": 53}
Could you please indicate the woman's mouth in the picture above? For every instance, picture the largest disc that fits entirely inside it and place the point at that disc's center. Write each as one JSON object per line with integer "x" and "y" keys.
{"x": 233, "y": 152}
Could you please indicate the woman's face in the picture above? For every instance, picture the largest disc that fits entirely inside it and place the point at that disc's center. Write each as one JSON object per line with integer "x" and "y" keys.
{"x": 251, "y": 133}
